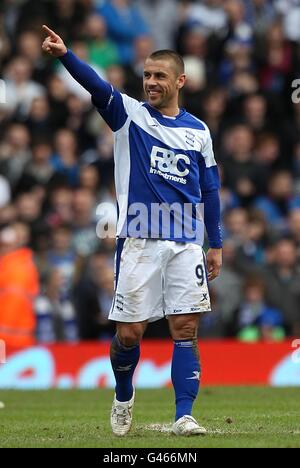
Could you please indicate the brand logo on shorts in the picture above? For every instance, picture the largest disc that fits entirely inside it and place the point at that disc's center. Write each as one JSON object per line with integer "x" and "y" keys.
{"x": 195, "y": 377}
{"x": 165, "y": 163}
{"x": 205, "y": 297}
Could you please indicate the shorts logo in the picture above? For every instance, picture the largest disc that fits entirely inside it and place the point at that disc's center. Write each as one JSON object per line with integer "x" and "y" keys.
{"x": 164, "y": 162}
{"x": 119, "y": 302}
{"x": 205, "y": 297}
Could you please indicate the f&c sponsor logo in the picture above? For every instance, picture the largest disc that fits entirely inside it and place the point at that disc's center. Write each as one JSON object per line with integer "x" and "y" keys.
{"x": 165, "y": 162}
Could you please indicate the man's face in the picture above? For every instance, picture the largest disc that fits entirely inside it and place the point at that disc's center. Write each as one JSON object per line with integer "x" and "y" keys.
{"x": 161, "y": 82}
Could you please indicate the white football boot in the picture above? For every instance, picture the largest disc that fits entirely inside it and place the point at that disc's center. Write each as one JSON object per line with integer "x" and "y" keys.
{"x": 187, "y": 426}
{"x": 121, "y": 416}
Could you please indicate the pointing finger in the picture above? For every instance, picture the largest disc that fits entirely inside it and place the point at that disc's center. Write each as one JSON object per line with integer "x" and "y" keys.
{"x": 49, "y": 31}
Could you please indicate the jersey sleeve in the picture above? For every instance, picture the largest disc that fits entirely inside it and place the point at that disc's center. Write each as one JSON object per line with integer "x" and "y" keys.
{"x": 210, "y": 185}
{"x": 209, "y": 174}
{"x": 113, "y": 106}
{"x": 119, "y": 108}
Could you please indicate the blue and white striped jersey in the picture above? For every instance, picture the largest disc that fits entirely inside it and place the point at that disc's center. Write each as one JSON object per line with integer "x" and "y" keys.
{"x": 160, "y": 161}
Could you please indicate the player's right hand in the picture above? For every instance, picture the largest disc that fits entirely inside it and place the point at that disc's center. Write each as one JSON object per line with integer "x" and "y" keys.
{"x": 53, "y": 44}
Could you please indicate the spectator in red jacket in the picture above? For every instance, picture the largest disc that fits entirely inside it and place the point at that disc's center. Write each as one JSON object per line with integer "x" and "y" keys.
{"x": 19, "y": 284}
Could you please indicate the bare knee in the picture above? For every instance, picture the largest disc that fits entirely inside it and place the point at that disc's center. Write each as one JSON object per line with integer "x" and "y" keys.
{"x": 130, "y": 334}
{"x": 184, "y": 327}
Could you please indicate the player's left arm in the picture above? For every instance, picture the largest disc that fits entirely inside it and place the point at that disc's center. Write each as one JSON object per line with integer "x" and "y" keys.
{"x": 212, "y": 222}
{"x": 210, "y": 186}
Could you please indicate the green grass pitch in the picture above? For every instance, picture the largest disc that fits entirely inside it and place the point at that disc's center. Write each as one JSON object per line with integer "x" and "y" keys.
{"x": 234, "y": 417}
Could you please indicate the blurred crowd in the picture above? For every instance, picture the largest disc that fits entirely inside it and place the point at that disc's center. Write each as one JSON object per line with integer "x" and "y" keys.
{"x": 56, "y": 158}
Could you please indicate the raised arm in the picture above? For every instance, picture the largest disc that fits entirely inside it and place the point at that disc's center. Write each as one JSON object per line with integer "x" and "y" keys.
{"x": 100, "y": 90}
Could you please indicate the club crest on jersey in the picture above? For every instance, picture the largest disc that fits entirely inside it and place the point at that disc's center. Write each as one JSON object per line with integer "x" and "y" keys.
{"x": 164, "y": 162}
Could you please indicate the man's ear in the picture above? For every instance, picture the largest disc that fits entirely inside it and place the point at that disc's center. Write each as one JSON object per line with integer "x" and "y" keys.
{"x": 181, "y": 81}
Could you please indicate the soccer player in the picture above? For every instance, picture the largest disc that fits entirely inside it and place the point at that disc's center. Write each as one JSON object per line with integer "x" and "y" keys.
{"x": 164, "y": 170}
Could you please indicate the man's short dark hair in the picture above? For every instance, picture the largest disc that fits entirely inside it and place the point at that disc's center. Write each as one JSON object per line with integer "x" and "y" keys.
{"x": 171, "y": 55}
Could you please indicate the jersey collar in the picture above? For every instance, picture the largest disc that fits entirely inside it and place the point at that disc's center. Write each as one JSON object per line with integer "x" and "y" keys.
{"x": 158, "y": 115}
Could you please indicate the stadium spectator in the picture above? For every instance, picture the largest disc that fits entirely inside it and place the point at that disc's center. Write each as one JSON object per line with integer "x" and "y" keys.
{"x": 163, "y": 19}
{"x": 250, "y": 255}
{"x": 278, "y": 61}
{"x": 20, "y": 88}
{"x": 5, "y": 44}
{"x": 255, "y": 109}
{"x": 116, "y": 76}
{"x": 195, "y": 84}
{"x": 62, "y": 258}
{"x": 282, "y": 279}
{"x": 39, "y": 119}
{"x": 60, "y": 205}
{"x": 55, "y": 315}
{"x": 90, "y": 179}
{"x": 208, "y": 14}
{"x": 238, "y": 27}
{"x": 236, "y": 225}
{"x": 230, "y": 280}
{"x": 229, "y": 199}
{"x": 294, "y": 227}
{"x": 79, "y": 120}
{"x": 5, "y": 194}
{"x": 296, "y": 164}
{"x": 280, "y": 199}
{"x": 91, "y": 303}
{"x": 259, "y": 14}
{"x": 14, "y": 152}
{"x": 57, "y": 95}
{"x": 85, "y": 239}
{"x": 290, "y": 11}
{"x": 240, "y": 170}
{"x": 214, "y": 105}
{"x": 101, "y": 51}
{"x": 29, "y": 46}
{"x": 65, "y": 158}
{"x": 125, "y": 24}
{"x": 256, "y": 319}
{"x": 39, "y": 169}
{"x": 19, "y": 285}
{"x": 194, "y": 42}
{"x": 238, "y": 58}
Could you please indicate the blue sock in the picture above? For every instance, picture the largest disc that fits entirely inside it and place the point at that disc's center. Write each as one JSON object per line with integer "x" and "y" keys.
{"x": 124, "y": 361}
{"x": 185, "y": 375}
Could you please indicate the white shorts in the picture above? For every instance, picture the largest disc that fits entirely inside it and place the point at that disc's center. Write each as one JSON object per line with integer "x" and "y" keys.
{"x": 158, "y": 278}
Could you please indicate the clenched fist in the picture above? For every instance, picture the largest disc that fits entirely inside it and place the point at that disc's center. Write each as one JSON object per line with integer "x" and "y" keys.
{"x": 53, "y": 44}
